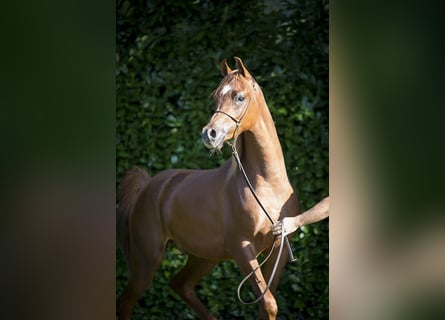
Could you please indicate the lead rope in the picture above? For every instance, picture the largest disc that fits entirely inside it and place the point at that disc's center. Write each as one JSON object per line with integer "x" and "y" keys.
{"x": 240, "y": 165}
{"x": 291, "y": 256}
{"x": 272, "y": 275}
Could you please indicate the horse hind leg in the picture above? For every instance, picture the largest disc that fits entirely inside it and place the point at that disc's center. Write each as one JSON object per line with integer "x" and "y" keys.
{"x": 143, "y": 266}
{"x": 185, "y": 281}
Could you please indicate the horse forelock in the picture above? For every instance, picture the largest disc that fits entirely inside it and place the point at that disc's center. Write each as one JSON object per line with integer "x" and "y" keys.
{"x": 232, "y": 81}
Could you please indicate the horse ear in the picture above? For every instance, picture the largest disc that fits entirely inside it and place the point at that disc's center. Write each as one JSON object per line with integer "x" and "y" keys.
{"x": 242, "y": 69}
{"x": 225, "y": 69}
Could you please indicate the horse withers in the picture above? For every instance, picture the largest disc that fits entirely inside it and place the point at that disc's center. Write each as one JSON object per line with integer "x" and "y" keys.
{"x": 211, "y": 214}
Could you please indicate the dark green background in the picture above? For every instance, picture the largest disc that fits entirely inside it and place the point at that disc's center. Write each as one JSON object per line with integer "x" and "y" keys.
{"x": 168, "y": 55}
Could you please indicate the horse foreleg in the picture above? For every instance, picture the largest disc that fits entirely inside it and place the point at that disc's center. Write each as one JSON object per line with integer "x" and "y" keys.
{"x": 247, "y": 262}
{"x": 185, "y": 281}
{"x": 269, "y": 265}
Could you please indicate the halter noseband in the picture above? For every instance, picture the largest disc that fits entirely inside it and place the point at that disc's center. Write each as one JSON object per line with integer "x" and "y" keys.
{"x": 231, "y": 117}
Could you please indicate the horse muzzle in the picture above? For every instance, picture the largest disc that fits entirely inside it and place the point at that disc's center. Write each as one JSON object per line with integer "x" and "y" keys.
{"x": 213, "y": 138}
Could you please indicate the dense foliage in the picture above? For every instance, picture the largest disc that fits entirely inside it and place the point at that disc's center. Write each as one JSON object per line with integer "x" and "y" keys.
{"x": 167, "y": 66}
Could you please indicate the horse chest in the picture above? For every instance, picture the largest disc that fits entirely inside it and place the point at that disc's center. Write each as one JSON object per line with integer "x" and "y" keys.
{"x": 245, "y": 211}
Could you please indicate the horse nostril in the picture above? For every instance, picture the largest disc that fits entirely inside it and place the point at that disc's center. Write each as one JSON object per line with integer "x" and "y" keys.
{"x": 212, "y": 133}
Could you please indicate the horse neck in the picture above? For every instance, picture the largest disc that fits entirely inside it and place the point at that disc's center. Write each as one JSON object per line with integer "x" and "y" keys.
{"x": 260, "y": 147}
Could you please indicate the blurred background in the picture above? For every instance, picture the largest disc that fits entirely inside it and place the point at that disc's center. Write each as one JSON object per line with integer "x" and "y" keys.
{"x": 387, "y": 230}
{"x": 168, "y": 57}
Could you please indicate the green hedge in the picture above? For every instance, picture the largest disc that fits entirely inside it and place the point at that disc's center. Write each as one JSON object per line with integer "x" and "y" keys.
{"x": 167, "y": 66}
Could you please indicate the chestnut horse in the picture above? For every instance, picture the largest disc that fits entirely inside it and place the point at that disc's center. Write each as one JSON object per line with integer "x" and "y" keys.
{"x": 212, "y": 215}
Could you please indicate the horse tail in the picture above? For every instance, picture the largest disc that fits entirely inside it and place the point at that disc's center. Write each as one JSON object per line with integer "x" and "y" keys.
{"x": 131, "y": 185}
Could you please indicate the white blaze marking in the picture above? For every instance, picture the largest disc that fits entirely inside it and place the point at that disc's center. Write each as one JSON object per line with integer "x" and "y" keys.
{"x": 225, "y": 89}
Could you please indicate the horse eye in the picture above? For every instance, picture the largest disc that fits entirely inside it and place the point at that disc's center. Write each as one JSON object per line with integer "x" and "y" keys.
{"x": 239, "y": 98}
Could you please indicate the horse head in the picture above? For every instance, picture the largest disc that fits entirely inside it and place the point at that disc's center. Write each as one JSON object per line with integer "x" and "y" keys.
{"x": 235, "y": 100}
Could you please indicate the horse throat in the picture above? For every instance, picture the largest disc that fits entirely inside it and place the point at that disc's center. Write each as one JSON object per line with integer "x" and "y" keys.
{"x": 260, "y": 149}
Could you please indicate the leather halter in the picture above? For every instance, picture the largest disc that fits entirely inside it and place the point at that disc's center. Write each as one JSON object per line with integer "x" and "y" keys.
{"x": 238, "y": 122}
{"x": 231, "y": 117}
